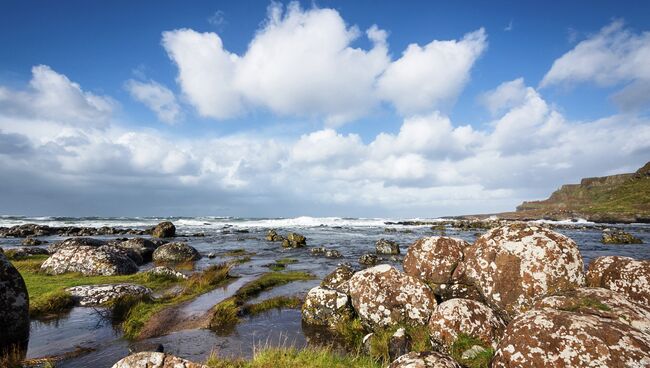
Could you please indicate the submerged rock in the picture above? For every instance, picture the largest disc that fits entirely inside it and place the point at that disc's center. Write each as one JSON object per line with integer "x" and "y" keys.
{"x": 552, "y": 338}
{"x": 384, "y": 246}
{"x": 150, "y": 359}
{"x": 382, "y": 296}
{"x": 175, "y": 252}
{"x": 294, "y": 240}
{"x": 516, "y": 264}
{"x": 325, "y": 307}
{"x": 89, "y": 261}
{"x": 14, "y": 308}
{"x": 339, "y": 279}
{"x": 469, "y": 317}
{"x": 165, "y": 229}
{"x": 429, "y": 359}
{"x": 327, "y": 253}
{"x": 87, "y": 295}
{"x": 624, "y": 275}
{"x": 368, "y": 259}
{"x": 619, "y": 237}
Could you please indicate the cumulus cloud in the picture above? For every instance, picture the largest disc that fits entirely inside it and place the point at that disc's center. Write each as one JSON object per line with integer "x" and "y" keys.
{"x": 613, "y": 56}
{"x": 302, "y": 63}
{"x": 156, "y": 97}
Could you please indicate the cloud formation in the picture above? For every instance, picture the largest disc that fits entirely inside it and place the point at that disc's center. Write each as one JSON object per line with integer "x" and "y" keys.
{"x": 156, "y": 97}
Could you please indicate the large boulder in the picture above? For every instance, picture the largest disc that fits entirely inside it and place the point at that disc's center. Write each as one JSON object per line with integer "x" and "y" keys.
{"x": 557, "y": 339}
{"x": 144, "y": 247}
{"x": 149, "y": 359}
{"x": 325, "y": 307}
{"x": 383, "y": 296}
{"x": 165, "y": 229}
{"x": 384, "y": 246}
{"x": 14, "y": 308}
{"x": 89, "y": 295}
{"x": 339, "y": 279}
{"x": 175, "y": 252}
{"x": 464, "y": 316}
{"x": 294, "y": 240}
{"x": 624, "y": 275}
{"x": 75, "y": 242}
{"x": 89, "y": 261}
{"x": 516, "y": 264}
{"x": 600, "y": 302}
{"x": 429, "y": 359}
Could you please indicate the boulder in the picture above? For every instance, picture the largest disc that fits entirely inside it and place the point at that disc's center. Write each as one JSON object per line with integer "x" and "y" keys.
{"x": 294, "y": 240}
{"x": 148, "y": 359}
{"x": 325, "y": 307}
{"x": 273, "y": 236}
{"x": 29, "y": 241}
{"x": 456, "y": 316}
{"x": 368, "y": 259}
{"x": 75, "y": 242}
{"x": 14, "y": 308}
{"x": 429, "y": 359}
{"x": 327, "y": 253}
{"x": 133, "y": 254}
{"x": 90, "y": 295}
{"x": 175, "y": 252}
{"x": 165, "y": 229}
{"x": 166, "y": 272}
{"x": 516, "y": 264}
{"x": 559, "y": 339}
{"x": 382, "y": 296}
{"x": 619, "y": 237}
{"x": 339, "y": 279}
{"x": 600, "y": 302}
{"x": 384, "y": 246}
{"x": 144, "y": 247}
{"x": 89, "y": 261}
{"x": 624, "y": 275}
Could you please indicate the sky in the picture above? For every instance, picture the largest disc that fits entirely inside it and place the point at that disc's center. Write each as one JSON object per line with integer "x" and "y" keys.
{"x": 324, "y": 108}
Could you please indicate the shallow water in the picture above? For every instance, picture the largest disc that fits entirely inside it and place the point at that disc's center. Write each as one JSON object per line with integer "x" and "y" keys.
{"x": 352, "y": 237}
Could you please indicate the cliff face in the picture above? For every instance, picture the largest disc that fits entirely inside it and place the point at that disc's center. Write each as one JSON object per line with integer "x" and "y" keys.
{"x": 616, "y": 198}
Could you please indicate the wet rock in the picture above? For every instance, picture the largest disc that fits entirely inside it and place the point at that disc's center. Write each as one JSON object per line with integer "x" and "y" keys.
{"x": 327, "y": 253}
{"x": 273, "y": 236}
{"x": 29, "y": 241}
{"x": 382, "y": 296}
{"x": 624, "y": 275}
{"x": 144, "y": 247}
{"x": 619, "y": 237}
{"x": 167, "y": 272}
{"x": 552, "y": 338}
{"x": 75, "y": 242}
{"x": 429, "y": 359}
{"x": 88, "y": 295}
{"x": 165, "y": 229}
{"x": 294, "y": 240}
{"x": 325, "y": 307}
{"x": 175, "y": 252}
{"x": 212, "y": 255}
{"x": 399, "y": 344}
{"x": 368, "y": 259}
{"x": 14, "y": 308}
{"x": 155, "y": 360}
{"x": 600, "y": 302}
{"x": 384, "y": 246}
{"x": 516, "y": 264}
{"x": 89, "y": 261}
{"x": 25, "y": 230}
{"x": 339, "y": 279}
{"x": 472, "y": 318}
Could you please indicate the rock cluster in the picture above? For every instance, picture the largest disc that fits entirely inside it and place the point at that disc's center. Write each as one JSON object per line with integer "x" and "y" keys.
{"x": 619, "y": 237}
{"x": 273, "y": 236}
{"x": 327, "y": 253}
{"x": 294, "y": 240}
{"x": 14, "y": 308}
{"x": 34, "y": 230}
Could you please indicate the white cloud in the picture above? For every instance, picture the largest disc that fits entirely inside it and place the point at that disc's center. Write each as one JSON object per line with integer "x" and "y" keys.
{"x": 156, "y": 97}
{"x": 505, "y": 96}
{"x": 302, "y": 63}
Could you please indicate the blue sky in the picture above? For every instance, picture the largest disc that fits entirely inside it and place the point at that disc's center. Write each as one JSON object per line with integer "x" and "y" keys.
{"x": 107, "y": 48}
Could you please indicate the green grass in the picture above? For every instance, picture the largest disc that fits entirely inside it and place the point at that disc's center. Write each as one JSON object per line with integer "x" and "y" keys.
{"x": 286, "y": 261}
{"x": 277, "y": 302}
{"x": 379, "y": 343}
{"x": 463, "y": 343}
{"x": 51, "y": 303}
{"x": 270, "y": 280}
{"x": 351, "y": 333}
{"x": 296, "y": 358}
{"x": 587, "y": 303}
{"x": 225, "y": 316}
{"x": 238, "y": 252}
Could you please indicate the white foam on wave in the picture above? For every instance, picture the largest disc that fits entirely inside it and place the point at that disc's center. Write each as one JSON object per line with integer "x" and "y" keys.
{"x": 578, "y": 221}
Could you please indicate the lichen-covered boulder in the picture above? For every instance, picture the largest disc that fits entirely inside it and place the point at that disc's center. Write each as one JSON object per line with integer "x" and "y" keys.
{"x": 339, "y": 279}
{"x": 294, "y": 240}
{"x": 144, "y": 247}
{"x": 75, "y": 242}
{"x": 456, "y": 316}
{"x": 429, "y": 359}
{"x": 383, "y": 296}
{"x": 89, "y": 261}
{"x": 562, "y": 339}
{"x": 165, "y": 229}
{"x": 368, "y": 259}
{"x": 148, "y": 359}
{"x": 88, "y": 295}
{"x": 325, "y": 307}
{"x": 167, "y": 272}
{"x": 176, "y": 252}
{"x": 624, "y": 275}
{"x": 384, "y": 246}
{"x": 516, "y": 264}
{"x": 601, "y": 302}
{"x": 619, "y": 237}
{"x": 14, "y": 308}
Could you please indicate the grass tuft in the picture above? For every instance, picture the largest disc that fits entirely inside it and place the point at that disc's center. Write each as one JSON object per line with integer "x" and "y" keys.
{"x": 51, "y": 303}
{"x": 309, "y": 357}
{"x": 465, "y": 342}
{"x": 277, "y": 302}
